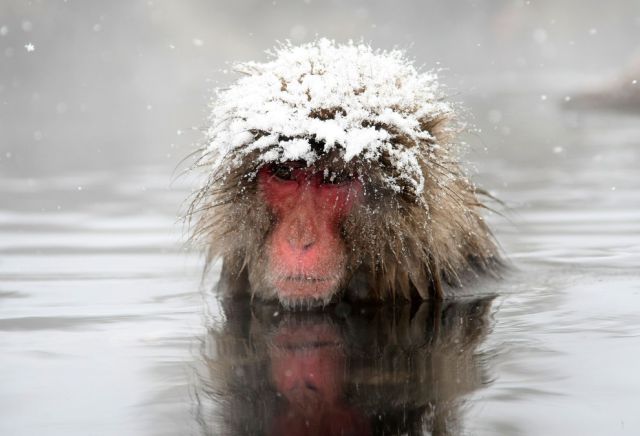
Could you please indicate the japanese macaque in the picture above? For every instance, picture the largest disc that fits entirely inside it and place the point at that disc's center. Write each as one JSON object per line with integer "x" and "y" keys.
{"x": 333, "y": 173}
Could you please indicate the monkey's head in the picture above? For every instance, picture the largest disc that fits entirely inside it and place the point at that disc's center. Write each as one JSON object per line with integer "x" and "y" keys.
{"x": 333, "y": 167}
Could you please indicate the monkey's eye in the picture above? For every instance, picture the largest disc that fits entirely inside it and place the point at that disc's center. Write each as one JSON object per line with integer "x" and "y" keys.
{"x": 282, "y": 172}
{"x": 336, "y": 177}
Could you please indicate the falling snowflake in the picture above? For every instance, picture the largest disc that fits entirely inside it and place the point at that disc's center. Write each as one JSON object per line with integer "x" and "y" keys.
{"x": 30, "y": 47}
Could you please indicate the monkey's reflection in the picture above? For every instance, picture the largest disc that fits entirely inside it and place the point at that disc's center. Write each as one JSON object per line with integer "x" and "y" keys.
{"x": 345, "y": 371}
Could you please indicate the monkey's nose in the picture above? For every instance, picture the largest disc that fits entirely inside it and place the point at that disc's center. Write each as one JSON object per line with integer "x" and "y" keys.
{"x": 301, "y": 239}
{"x": 302, "y": 234}
{"x": 307, "y": 245}
{"x": 301, "y": 244}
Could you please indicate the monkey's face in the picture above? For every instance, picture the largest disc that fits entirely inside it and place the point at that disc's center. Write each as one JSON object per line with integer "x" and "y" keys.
{"x": 306, "y": 256}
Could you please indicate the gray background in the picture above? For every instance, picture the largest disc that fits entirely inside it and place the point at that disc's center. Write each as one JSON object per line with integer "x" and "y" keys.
{"x": 115, "y": 83}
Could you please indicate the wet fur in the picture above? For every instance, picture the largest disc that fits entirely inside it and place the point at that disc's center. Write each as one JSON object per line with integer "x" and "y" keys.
{"x": 397, "y": 243}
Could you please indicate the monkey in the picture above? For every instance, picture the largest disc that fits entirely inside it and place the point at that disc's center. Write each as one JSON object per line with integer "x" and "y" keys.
{"x": 332, "y": 172}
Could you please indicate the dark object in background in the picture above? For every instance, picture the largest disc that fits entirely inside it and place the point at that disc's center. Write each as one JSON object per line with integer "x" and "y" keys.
{"x": 621, "y": 94}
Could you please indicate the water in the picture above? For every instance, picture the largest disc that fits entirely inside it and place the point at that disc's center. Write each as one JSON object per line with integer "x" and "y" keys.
{"x": 107, "y": 329}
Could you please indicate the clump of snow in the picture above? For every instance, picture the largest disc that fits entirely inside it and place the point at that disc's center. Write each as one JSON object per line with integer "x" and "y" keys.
{"x": 347, "y": 97}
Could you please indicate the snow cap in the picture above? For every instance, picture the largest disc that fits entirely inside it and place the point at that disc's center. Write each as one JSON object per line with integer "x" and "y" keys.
{"x": 347, "y": 97}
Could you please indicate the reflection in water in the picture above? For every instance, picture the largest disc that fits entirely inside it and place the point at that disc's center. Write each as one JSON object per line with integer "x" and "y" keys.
{"x": 345, "y": 371}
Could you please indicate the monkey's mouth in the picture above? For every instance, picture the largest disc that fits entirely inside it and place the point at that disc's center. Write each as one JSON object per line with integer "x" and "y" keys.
{"x": 307, "y": 279}
{"x": 306, "y": 289}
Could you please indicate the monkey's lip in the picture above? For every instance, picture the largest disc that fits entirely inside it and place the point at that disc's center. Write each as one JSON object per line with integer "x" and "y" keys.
{"x": 305, "y": 287}
{"x": 307, "y": 279}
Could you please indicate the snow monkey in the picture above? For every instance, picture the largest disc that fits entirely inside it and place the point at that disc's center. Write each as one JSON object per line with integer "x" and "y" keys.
{"x": 333, "y": 172}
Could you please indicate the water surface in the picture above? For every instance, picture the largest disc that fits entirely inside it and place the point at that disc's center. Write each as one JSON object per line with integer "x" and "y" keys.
{"x": 107, "y": 329}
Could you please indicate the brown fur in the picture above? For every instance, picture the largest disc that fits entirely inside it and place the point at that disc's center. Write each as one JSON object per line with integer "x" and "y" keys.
{"x": 398, "y": 244}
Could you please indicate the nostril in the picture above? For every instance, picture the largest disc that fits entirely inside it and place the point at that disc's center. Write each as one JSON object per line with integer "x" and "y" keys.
{"x": 301, "y": 245}
{"x": 301, "y": 234}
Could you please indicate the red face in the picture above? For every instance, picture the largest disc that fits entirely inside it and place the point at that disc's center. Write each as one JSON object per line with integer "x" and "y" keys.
{"x": 306, "y": 254}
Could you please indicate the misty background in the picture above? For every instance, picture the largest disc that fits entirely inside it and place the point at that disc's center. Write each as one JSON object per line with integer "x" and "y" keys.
{"x": 88, "y": 85}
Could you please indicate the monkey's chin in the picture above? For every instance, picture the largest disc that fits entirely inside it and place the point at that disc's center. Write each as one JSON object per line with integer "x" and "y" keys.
{"x": 305, "y": 293}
